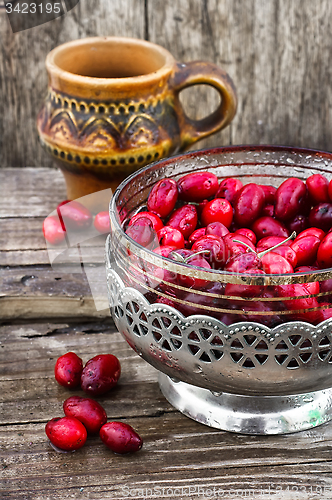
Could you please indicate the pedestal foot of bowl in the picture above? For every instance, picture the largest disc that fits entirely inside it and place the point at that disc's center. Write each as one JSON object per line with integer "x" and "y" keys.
{"x": 258, "y": 415}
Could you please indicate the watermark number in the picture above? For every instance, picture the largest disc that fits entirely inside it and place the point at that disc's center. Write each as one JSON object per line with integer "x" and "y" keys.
{"x": 33, "y": 8}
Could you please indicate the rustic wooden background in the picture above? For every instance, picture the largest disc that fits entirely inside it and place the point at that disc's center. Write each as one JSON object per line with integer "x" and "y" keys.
{"x": 278, "y": 53}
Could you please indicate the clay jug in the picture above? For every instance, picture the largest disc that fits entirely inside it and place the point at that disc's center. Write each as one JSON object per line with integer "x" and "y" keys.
{"x": 113, "y": 106}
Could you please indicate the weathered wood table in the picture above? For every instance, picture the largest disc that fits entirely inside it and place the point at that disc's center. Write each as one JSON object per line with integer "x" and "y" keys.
{"x": 45, "y": 313}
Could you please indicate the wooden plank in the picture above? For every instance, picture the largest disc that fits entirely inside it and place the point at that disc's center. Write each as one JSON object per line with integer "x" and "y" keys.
{"x": 30, "y": 393}
{"x": 177, "y": 454}
{"x": 23, "y": 257}
{"x": 21, "y": 233}
{"x": 30, "y": 257}
{"x": 21, "y": 238}
{"x": 23, "y": 80}
{"x": 22, "y": 243}
{"x": 276, "y": 52}
{"x": 41, "y": 292}
{"x": 27, "y": 234}
{"x": 30, "y": 192}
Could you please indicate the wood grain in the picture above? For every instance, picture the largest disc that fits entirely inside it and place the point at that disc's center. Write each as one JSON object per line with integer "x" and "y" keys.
{"x": 41, "y": 292}
{"x": 277, "y": 52}
{"x": 23, "y": 80}
{"x": 29, "y": 192}
{"x": 38, "y": 290}
{"x": 22, "y": 243}
{"x": 30, "y": 392}
{"x": 178, "y": 453}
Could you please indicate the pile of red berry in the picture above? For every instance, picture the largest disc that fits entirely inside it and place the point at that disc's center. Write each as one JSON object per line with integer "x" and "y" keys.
{"x": 227, "y": 226}
{"x": 84, "y": 415}
{"x": 72, "y": 215}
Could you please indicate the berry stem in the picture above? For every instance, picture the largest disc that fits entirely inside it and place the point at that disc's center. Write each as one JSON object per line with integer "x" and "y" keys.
{"x": 187, "y": 259}
{"x": 178, "y": 257}
{"x": 291, "y": 237}
{"x": 245, "y": 244}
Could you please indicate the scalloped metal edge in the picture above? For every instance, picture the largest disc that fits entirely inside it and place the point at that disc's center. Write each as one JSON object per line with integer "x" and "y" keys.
{"x": 271, "y": 334}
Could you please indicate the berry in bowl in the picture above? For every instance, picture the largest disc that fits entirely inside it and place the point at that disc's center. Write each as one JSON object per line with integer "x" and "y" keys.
{"x": 219, "y": 275}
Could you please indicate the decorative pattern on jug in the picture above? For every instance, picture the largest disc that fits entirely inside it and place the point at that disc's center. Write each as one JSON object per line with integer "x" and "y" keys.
{"x": 127, "y": 134}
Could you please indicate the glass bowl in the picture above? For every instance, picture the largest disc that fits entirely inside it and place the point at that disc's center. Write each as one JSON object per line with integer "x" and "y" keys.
{"x": 257, "y": 364}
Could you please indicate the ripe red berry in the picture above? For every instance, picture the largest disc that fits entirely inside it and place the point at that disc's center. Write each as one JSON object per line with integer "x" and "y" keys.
{"x": 120, "y": 437}
{"x": 74, "y": 215}
{"x": 184, "y": 219}
{"x": 143, "y": 233}
{"x": 162, "y": 197}
{"x": 274, "y": 263}
{"x": 311, "y": 231}
{"x": 53, "y": 230}
{"x": 197, "y": 186}
{"x": 248, "y": 233}
{"x": 324, "y": 253}
{"x": 291, "y": 198}
{"x": 318, "y": 185}
{"x": 249, "y": 204}
{"x": 229, "y": 189}
{"x": 321, "y": 216}
{"x": 100, "y": 374}
{"x": 269, "y": 193}
{"x": 288, "y": 253}
{"x": 196, "y": 235}
{"x": 66, "y": 433}
{"x": 217, "y": 210}
{"x": 306, "y": 249}
{"x": 102, "y": 222}
{"x": 170, "y": 236}
{"x": 298, "y": 224}
{"x": 213, "y": 248}
{"x": 217, "y": 229}
{"x": 194, "y": 282}
{"x": 271, "y": 241}
{"x": 157, "y": 223}
{"x": 86, "y": 410}
{"x": 68, "y": 369}
{"x": 268, "y": 226}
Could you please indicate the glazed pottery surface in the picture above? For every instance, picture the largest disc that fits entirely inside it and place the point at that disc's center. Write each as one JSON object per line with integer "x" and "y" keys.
{"x": 113, "y": 106}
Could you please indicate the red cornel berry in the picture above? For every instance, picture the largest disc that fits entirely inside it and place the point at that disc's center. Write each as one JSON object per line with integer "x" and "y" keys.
{"x": 197, "y": 186}
{"x": 67, "y": 433}
{"x": 162, "y": 197}
{"x": 156, "y": 221}
{"x": 217, "y": 210}
{"x": 68, "y": 369}
{"x": 184, "y": 219}
{"x": 291, "y": 197}
{"x": 120, "y": 438}
{"x": 100, "y": 374}
{"x": 53, "y": 230}
{"x": 318, "y": 186}
{"x": 102, "y": 222}
{"x": 142, "y": 232}
{"x": 74, "y": 215}
{"x": 170, "y": 236}
{"x": 86, "y": 410}
{"x": 229, "y": 189}
{"x": 249, "y": 204}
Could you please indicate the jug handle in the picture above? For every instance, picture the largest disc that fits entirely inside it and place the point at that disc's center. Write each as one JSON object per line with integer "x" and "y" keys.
{"x": 200, "y": 72}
